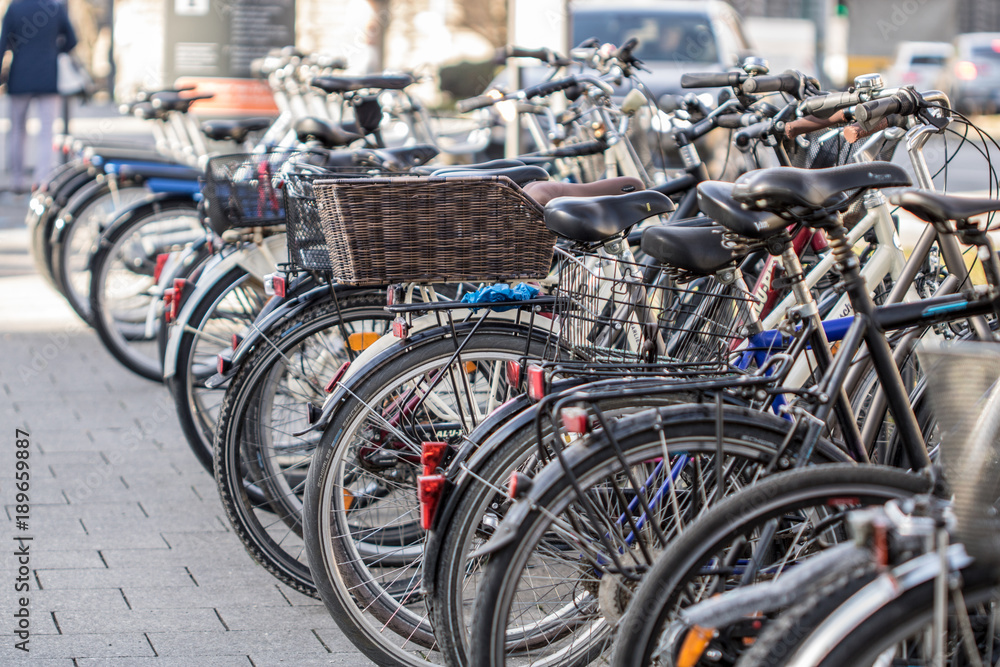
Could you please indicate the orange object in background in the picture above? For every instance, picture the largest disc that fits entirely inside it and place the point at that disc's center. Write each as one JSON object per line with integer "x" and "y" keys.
{"x": 233, "y": 97}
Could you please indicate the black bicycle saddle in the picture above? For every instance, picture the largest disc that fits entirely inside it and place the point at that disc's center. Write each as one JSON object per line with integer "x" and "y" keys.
{"x": 782, "y": 189}
{"x": 323, "y": 131}
{"x": 697, "y": 250}
{"x": 520, "y": 175}
{"x": 342, "y": 84}
{"x": 237, "y": 130}
{"x": 596, "y": 219}
{"x": 715, "y": 199}
{"x": 940, "y": 209}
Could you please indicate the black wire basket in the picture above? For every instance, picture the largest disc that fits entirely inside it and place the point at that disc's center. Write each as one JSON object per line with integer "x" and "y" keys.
{"x": 244, "y": 190}
{"x": 623, "y": 314}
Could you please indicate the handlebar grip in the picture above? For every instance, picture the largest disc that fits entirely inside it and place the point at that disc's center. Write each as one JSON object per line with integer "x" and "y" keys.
{"x": 712, "y": 79}
{"x": 510, "y": 51}
{"x": 549, "y": 87}
{"x": 869, "y": 113}
{"x": 786, "y": 82}
{"x": 730, "y": 121}
{"x": 824, "y": 106}
{"x": 800, "y": 126}
{"x": 855, "y": 133}
{"x": 755, "y": 131}
{"x": 580, "y": 149}
{"x": 477, "y": 102}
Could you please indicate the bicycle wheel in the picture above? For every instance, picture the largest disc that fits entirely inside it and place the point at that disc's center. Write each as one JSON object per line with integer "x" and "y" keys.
{"x": 264, "y": 406}
{"x": 229, "y": 306}
{"x": 714, "y": 552}
{"x": 570, "y": 558}
{"x": 86, "y": 215}
{"x": 363, "y": 537}
{"x": 895, "y": 631}
{"x": 122, "y": 294}
{"x": 454, "y": 575}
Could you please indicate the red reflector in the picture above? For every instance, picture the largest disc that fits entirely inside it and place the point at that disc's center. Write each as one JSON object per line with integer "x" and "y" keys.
{"x": 161, "y": 261}
{"x": 175, "y": 305}
{"x": 514, "y": 373}
{"x": 536, "y": 382}
{"x": 336, "y": 377}
{"x": 400, "y": 329}
{"x": 429, "y": 489}
{"x": 431, "y": 455}
{"x": 575, "y": 420}
{"x": 279, "y": 286}
{"x": 520, "y": 484}
{"x": 848, "y": 501}
{"x": 236, "y": 341}
{"x": 168, "y": 305}
{"x": 223, "y": 365}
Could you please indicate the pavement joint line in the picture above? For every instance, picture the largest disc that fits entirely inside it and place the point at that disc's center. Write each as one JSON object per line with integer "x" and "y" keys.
{"x": 320, "y": 639}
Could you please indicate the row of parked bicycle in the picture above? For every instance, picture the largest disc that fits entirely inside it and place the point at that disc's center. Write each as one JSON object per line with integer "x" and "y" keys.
{"x": 572, "y": 407}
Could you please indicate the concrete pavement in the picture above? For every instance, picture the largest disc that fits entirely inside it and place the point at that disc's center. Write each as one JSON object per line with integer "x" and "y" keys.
{"x": 131, "y": 561}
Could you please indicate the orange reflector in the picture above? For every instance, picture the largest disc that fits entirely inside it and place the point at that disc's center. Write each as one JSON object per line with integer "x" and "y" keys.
{"x": 470, "y": 367}
{"x": 348, "y": 499}
{"x": 361, "y": 341}
{"x": 694, "y": 646}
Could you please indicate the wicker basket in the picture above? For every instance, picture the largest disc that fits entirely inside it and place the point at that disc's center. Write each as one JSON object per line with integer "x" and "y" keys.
{"x": 307, "y": 249}
{"x": 408, "y": 229}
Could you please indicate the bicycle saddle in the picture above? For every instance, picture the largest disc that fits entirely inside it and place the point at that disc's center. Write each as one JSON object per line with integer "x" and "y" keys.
{"x": 545, "y": 191}
{"x": 781, "y": 189}
{"x": 715, "y": 199}
{"x": 312, "y": 128}
{"x": 397, "y": 159}
{"x": 144, "y": 110}
{"x": 940, "y": 209}
{"x": 237, "y": 130}
{"x": 491, "y": 164}
{"x": 596, "y": 219}
{"x": 520, "y": 175}
{"x": 174, "y": 102}
{"x": 697, "y": 250}
{"x": 342, "y": 84}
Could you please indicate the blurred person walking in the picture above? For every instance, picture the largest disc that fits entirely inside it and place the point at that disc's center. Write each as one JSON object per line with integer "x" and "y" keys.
{"x": 35, "y": 32}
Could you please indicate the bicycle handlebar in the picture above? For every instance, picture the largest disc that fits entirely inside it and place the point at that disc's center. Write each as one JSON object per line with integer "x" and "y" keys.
{"x": 713, "y": 79}
{"x": 905, "y": 102}
{"x": 788, "y": 81}
{"x": 548, "y": 87}
{"x": 477, "y": 102}
{"x": 755, "y": 131}
{"x": 800, "y": 126}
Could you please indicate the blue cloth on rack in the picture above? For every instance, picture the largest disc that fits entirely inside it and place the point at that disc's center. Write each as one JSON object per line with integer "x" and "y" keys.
{"x": 499, "y": 293}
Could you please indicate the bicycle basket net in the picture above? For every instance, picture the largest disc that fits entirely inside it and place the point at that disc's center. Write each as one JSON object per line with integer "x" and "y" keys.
{"x": 609, "y": 312}
{"x": 964, "y": 388}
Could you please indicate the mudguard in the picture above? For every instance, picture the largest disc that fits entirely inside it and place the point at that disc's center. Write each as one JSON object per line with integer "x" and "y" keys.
{"x": 255, "y": 260}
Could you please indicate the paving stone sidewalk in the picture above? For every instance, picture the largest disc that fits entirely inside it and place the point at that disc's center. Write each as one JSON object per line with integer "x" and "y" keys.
{"x": 132, "y": 561}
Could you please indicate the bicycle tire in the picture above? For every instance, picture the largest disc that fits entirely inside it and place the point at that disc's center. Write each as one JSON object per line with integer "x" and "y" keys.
{"x": 895, "y": 621}
{"x": 452, "y": 571}
{"x": 115, "y": 333}
{"x": 380, "y": 620}
{"x": 690, "y": 431}
{"x": 87, "y": 213}
{"x": 783, "y": 495}
{"x": 244, "y": 297}
{"x": 238, "y": 445}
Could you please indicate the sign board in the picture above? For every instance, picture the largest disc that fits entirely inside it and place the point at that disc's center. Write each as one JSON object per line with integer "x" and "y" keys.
{"x": 213, "y": 42}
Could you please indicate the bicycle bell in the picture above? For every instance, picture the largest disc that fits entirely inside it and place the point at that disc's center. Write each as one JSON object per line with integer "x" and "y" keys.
{"x": 754, "y": 66}
{"x": 868, "y": 83}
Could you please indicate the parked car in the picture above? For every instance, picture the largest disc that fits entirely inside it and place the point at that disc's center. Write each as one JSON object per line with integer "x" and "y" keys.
{"x": 972, "y": 77}
{"x": 675, "y": 36}
{"x": 919, "y": 64}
